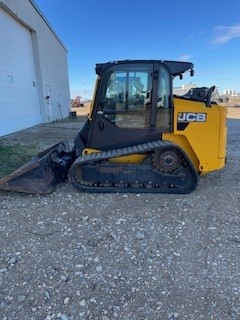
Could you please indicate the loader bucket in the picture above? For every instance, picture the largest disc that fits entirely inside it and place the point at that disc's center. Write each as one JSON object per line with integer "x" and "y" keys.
{"x": 43, "y": 172}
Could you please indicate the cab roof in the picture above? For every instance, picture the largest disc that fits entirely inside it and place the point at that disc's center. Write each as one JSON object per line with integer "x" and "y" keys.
{"x": 177, "y": 68}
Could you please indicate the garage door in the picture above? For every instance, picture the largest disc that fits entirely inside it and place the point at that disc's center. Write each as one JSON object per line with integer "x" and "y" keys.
{"x": 19, "y": 102}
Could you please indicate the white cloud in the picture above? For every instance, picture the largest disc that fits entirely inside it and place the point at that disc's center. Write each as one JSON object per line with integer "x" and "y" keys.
{"x": 184, "y": 57}
{"x": 224, "y": 34}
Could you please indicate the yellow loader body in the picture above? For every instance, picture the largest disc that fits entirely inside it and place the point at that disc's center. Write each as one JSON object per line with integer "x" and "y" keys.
{"x": 201, "y": 132}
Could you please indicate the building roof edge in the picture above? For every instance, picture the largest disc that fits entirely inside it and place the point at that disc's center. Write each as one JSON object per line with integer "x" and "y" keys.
{"x": 47, "y": 23}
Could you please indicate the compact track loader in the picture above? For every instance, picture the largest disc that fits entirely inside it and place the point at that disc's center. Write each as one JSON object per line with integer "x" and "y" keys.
{"x": 138, "y": 137}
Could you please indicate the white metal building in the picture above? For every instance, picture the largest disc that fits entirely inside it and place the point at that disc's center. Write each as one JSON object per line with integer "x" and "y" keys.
{"x": 34, "y": 85}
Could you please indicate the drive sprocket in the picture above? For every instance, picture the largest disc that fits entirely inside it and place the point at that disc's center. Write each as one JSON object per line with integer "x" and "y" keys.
{"x": 166, "y": 160}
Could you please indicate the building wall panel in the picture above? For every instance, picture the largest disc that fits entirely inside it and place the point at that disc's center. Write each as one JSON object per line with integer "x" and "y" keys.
{"x": 50, "y": 57}
{"x": 19, "y": 100}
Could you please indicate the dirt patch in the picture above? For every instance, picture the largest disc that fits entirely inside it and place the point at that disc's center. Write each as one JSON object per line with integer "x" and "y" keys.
{"x": 233, "y": 113}
{"x": 82, "y": 111}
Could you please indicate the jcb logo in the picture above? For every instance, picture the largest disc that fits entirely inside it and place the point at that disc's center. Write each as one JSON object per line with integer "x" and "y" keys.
{"x": 192, "y": 117}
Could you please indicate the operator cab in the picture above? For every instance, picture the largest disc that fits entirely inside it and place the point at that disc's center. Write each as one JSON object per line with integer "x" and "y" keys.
{"x": 134, "y": 102}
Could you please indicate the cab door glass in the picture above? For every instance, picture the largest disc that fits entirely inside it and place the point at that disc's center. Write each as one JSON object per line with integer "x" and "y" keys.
{"x": 127, "y": 100}
{"x": 164, "y": 89}
{"x": 163, "y": 99}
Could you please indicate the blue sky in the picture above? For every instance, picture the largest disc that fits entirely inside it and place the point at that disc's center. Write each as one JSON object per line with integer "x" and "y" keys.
{"x": 206, "y": 33}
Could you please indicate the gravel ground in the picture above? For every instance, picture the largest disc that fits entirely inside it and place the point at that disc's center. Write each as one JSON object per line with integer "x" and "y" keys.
{"x": 70, "y": 255}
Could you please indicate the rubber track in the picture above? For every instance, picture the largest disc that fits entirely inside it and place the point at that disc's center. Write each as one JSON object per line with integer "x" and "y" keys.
{"x": 143, "y": 148}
